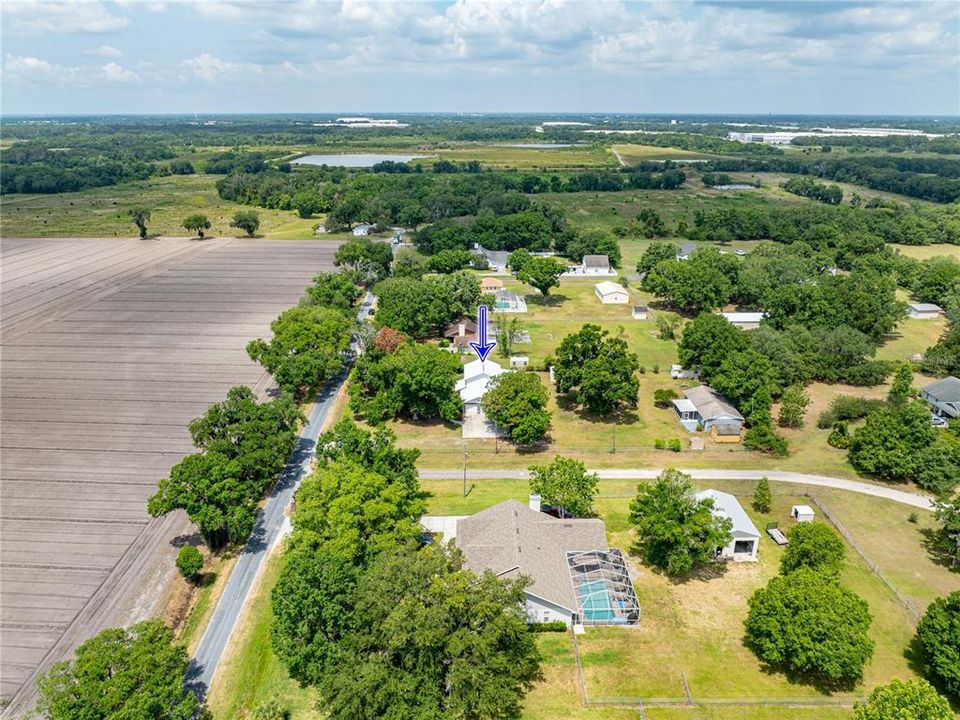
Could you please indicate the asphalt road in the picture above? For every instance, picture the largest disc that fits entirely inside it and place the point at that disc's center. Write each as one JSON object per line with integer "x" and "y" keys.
{"x": 267, "y": 531}
{"x": 864, "y": 488}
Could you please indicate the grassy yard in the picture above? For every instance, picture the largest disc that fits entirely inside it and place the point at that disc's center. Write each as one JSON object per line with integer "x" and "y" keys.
{"x": 633, "y": 153}
{"x": 102, "y": 212}
{"x": 530, "y": 158}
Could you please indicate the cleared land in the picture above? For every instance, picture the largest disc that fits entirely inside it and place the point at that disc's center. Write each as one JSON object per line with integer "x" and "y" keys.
{"x": 109, "y": 348}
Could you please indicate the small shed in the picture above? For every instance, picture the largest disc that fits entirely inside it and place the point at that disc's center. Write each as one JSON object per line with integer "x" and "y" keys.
{"x": 640, "y": 312}
{"x": 362, "y": 229}
{"x": 678, "y": 372}
{"x": 490, "y": 284}
{"x": 802, "y": 513}
{"x": 743, "y": 320}
{"x": 924, "y": 311}
{"x": 519, "y": 361}
{"x": 611, "y": 293}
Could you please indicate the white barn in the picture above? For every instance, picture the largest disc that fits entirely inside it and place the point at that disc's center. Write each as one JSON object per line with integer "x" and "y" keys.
{"x": 611, "y": 293}
{"x": 744, "y": 536}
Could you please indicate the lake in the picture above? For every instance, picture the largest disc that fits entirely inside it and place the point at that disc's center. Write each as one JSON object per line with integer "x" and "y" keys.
{"x": 353, "y": 161}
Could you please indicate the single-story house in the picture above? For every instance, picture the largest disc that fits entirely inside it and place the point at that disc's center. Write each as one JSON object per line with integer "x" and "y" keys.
{"x": 362, "y": 229}
{"x": 497, "y": 259}
{"x": 701, "y": 407}
{"x": 464, "y": 331}
{"x": 508, "y": 301}
{"x": 490, "y": 284}
{"x": 611, "y": 293}
{"x": 678, "y": 372}
{"x": 475, "y": 383}
{"x": 744, "y": 320}
{"x": 924, "y": 311}
{"x": 640, "y": 312}
{"x": 686, "y": 250}
{"x": 576, "y": 578}
{"x": 943, "y": 397}
{"x": 744, "y": 536}
{"x": 596, "y": 265}
{"x": 802, "y": 513}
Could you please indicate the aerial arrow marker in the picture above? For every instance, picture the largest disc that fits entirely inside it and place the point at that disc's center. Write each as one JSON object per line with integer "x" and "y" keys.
{"x": 482, "y": 348}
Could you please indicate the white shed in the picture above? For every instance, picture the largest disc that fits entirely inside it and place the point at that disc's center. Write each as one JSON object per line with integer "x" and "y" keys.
{"x": 924, "y": 311}
{"x": 744, "y": 536}
{"x": 519, "y": 361}
{"x": 802, "y": 513}
{"x": 640, "y": 312}
{"x": 611, "y": 293}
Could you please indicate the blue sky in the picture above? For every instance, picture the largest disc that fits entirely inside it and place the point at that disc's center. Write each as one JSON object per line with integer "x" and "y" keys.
{"x": 723, "y": 56}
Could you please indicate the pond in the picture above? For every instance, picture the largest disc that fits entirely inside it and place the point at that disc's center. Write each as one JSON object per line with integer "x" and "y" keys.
{"x": 353, "y": 161}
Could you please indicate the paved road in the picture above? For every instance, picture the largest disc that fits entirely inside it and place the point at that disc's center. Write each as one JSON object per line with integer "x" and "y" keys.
{"x": 881, "y": 491}
{"x": 270, "y": 526}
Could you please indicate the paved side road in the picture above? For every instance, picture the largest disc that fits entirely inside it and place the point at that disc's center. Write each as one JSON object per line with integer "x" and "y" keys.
{"x": 269, "y": 527}
{"x": 864, "y": 488}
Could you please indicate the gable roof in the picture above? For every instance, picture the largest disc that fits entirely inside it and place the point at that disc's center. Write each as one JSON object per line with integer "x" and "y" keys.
{"x": 742, "y": 317}
{"x": 924, "y": 307}
{"x": 596, "y": 261}
{"x": 510, "y": 539}
{"x": 608, "y": 288}
{"x": 453, "y": 329}
{"x": 726, "y": 505}
{"x": 945, "y": 394}
{"x": 709, "y": 404}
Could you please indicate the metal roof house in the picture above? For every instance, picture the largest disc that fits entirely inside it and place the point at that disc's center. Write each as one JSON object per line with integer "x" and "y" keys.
{"x": 943, "y": 397}
{"x": 744, "y": 320}
{"x": 924, "y": 311}
{"x": 744, "y": 536}
{"x": 576, "y": 578}
{"x": 701, "y": 407}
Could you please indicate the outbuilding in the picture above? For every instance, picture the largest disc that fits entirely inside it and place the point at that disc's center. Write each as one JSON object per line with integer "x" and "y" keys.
{"x": 924, "y": 311}
{"x": 802, "y": 513}
{"x": 362, "y": 230}
{"x": 611, "y": 293}
{"x": 743, "y": 320}
{"x": 640, "y": 312}
{"x": 490, "y": 284}
{"x": 519, "y": 361}
{"x": 686, "y": 250}
{"x": 744, "y": 536}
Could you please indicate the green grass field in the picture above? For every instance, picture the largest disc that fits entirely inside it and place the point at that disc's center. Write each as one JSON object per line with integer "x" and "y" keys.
{"x": 632, "y": 153}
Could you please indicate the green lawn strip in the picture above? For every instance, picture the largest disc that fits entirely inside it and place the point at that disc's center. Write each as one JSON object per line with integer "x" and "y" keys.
{"x": 206, "y": 601}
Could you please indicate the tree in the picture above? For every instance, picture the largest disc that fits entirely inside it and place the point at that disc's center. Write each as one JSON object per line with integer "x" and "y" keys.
{"x": 902, "y": 385}
{"x": 762, "y": 497}
{"x": 424, "y": 307}
{"x": 667, "y": 326}
{"x": 708, "y": 341}
{"x": 676, "y": 532}
{"x": 518, "y": 259}
{"x": 793, "y": 406}
{"x": 662, "y": 397}
{"x": 271, "y": 709}
{"x": 565, "y": 484}
{"x": 888, "y": 443}
{"x": 407, "y": 262}
{"x": 600, "y": 368}
{"x": 134, "y": 672}
{"x": 898, "y": 700}
{"x": 508, "y": 330}
{"x": 334, "y": 290}
{"x": 938, "y": 635}
{"x": 369, "y": 258}
{"x": 140, "y": 217}
{"x": 246, "y": 220}
{"x": 948, "y": 517}
{"x": 517, "y": 402}
{"x": 815, "y": 546}
{"x": 197, "y": 222}
{"x": 656, "y": 253}
{"x": 181, "y": 167}
{"x": 189, "y": 562}
{"x": 806, "y": 624}
{"x": 543, "y": 273}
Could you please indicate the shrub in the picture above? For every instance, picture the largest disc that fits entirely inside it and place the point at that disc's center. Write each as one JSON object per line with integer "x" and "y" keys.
{"x": 660, "y": 444}
{"x": 675, "y": 444}
{"x": 813, "y": 545}
{"x": 663, "y": 396}
{"x": 839, "y": 437}
{"x": 764, "y": 439}
{"x": 656, "y": 369}
{"x": 189, "y": 562}
{"x": 552, "y": 626}
{"x": 848, "y": 407}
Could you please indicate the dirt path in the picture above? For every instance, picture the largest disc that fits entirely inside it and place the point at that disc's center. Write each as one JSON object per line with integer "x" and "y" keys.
{"x": 857, "y": 486}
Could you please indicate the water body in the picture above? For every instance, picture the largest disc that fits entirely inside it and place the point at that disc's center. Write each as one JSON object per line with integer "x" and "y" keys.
{"x": 539, "y": 146}
{"x": 354, "y": 161}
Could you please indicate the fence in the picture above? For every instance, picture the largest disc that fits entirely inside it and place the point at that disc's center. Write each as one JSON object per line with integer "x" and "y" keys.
{"x": 914, "y": 610}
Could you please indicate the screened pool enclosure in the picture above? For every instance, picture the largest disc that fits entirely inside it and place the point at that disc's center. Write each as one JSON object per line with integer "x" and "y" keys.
{"x": 605, "y": 594}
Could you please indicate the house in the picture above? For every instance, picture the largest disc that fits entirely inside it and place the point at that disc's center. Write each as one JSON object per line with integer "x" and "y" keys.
{"x": 490, "y": 284}
{"x": 576, "y": 578}
{"x": 744, "y": 536}
{"x": 596, "y": 265}
{"x": 611, "y": 293}
{"x": 475, "y": 383}
{"x": 463, "y": 332}
{"x": 744, "y": 320}
{"x": 686, "y": 250}
{"x": 943, "y": 397}
{"x": 678, "y": 372}
{"x": 362, "y": 229}
{"x": 702, "y": 408}
{"x": 496, "y": 259}
{"x": 802, "y": 513}
{"x": 640, "y": 312}
{"x": 924, "y": 311}
{"x": 507, "y": 301}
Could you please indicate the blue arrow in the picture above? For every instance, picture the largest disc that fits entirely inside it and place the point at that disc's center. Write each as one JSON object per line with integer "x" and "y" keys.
{"x": 482, "y": 348}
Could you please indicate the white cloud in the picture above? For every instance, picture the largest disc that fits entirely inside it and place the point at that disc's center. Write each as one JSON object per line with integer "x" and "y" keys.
{"x": 37, "y": 70}
{"x": 113, "y": 72}
{"x": 61, "y": 16}
{"x": 105, "y": 51}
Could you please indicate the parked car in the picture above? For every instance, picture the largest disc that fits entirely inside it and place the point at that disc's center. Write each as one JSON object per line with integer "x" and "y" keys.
{"x": 938, "y": 422}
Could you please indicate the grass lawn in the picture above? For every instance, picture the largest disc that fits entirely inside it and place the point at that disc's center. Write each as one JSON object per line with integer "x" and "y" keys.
{"x": 102, "y": 212}
{"x": 632, "y": 153}
{"x": 529, "y": 158}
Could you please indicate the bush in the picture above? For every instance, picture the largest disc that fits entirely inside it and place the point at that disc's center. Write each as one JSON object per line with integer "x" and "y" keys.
{"x": 813, "y": 545}
{"x": 552, "y": 626}
{"x": 675, "y": 444}
{"x": 764, "y": 439}
{"x": 660, "y": 444}
{"x": 189, "y": 562}
{"x": 663, "y": 396}
{"x": 848, "y": 407}
{"x": 839, "y": 437}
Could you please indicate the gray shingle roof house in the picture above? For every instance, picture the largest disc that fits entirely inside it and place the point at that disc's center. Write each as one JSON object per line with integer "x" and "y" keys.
{"x": 702, "y": 406}
{"x": 943, "y": 396}
{"x": 576, "y": 577}
{"x": 496, "y": 258}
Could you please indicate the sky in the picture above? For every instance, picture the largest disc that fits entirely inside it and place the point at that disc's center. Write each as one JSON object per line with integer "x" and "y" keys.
{"x": 549, "y": 56}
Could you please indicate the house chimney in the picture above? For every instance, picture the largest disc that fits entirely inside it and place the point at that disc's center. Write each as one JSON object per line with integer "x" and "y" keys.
{"x": 462, "y": 327}
{"x": 535, "y": 502}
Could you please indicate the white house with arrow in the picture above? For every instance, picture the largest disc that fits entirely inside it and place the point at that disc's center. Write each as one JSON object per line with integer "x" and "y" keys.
{"x": 475, "y": 383}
